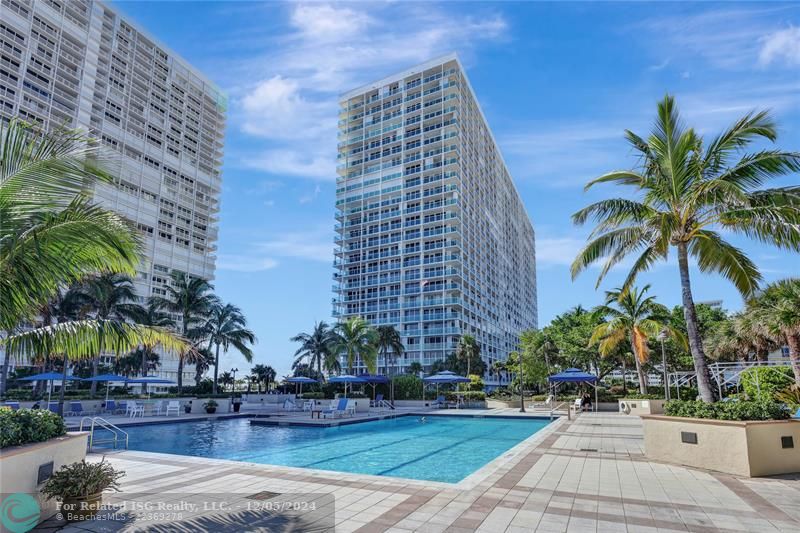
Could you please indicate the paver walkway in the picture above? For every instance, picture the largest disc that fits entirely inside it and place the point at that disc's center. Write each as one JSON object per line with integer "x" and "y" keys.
{"x": 584, "y": 475}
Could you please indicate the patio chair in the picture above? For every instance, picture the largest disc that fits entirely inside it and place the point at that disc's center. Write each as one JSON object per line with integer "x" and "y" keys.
{"x": 52, "y": 407}
{"x": 157, "y": 407}
{"x": 12, "y": 405}
{"x": 377, "y": 401}
{"x": 173, "y": 406}
{"x": 75, "y": 409}
{"x": 548, "y": 403}
{"x": 341, "y": 409}
{"x": 289, "y": 405}
{"x": 122, "y": 407}
{"x": 439, "y": 403}
{"x": 135, "y": 409}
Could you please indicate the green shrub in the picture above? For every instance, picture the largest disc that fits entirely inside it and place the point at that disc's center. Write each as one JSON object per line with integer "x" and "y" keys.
{"x": 476, "y": 383}
{"x": 407, "y": 387}
{"x": 739, "y": 410}
{"x": 25, "y": 426}
{"x": 763, "y": 382}
{"x": 790, "y": 396}
{"x": 79, "y": 480}
{"x": 468, "y": 396}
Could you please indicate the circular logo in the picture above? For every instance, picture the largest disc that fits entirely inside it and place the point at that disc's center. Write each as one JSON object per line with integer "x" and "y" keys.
{"x": 19, "y": 512}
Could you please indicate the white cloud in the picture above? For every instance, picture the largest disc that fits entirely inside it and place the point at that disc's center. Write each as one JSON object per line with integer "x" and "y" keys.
{"x": 244, "y": 263}
{"x": 782, "y": 45}
{"x": 289, "y": 162}
{"x": 328, "y": 23}
{"x": 660, "y": 66}
{"x": 557, "y": 251}
{"x": 311, "y": 245}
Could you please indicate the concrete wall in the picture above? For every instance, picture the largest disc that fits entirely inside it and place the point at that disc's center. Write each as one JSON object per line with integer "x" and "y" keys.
{"x": 642, "y": 407}
{"x": 752, "y": 448}
{"x": 19, "y": 465}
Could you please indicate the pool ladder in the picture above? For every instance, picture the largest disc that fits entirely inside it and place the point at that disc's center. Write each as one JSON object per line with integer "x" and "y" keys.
{"x": 102, "y": 423}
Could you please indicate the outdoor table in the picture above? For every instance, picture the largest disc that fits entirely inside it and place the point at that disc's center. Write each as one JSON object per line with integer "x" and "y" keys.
{"x": 318, "y": 412}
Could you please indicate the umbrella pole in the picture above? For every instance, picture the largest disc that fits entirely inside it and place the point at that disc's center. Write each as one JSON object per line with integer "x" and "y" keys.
{"x": 49, "y": 392}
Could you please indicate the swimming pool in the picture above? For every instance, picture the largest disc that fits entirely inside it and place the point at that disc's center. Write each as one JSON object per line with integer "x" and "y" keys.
{"x": 443, "y": 448}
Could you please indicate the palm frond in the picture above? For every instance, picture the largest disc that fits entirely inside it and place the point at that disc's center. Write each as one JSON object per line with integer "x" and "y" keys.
{"x": 713, "y": 254}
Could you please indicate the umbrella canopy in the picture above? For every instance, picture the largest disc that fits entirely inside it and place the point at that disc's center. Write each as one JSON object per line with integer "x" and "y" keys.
{"x": 572, "y": 375}
{"x": 49, "y": 376}
{"x": 448, "y": 377}
{"x": 347, "y": 378}
{"x": 301, "y": 379}
{"x": 107, "y": 377}
{"x": 374, "y": 378}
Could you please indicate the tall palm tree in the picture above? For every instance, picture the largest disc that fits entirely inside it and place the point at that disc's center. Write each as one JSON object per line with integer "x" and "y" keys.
{"x": 390, "y": 345}
{"x": 779, "y": 308}
{"x": 192, "y": 299}
{"x": 356, "y": 339}
{"x": 225, "y": 378}
{"x": 151, "y": 315}
{"x": 264, "y": 374}
{"x": 636, "y": 318}
{"x": 226, "y": 326}
{"x": 467, "y": 350}
{"x": 315, "y": 347}
{"x": 688, "y": 190}
{"x": 203, "y": 360}
{"x": 414, "y": 368}
{"x": 53, "y": 236}
{"x": 111, "y": 295}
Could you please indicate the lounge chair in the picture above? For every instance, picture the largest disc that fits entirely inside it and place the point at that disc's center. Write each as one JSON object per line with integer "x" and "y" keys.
{"x": 439, "y": 403}
{"x": 173, "y": 406}
{"x": 12, "y": 405}
{"x": 52, "y": 407}
{"x": 289, "y": 405}
{"x": 308, "y": 405}
{"x": 122, "y": 407}
{"x": 341, "y": 409}
{"x": 377, "y": 401}
{"x": 547, "y": 404}
{"x": 75, "y": 409}
{"x": 135, "y": 409}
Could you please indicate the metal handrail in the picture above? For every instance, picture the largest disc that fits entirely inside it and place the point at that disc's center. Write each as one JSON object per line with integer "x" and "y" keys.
{"x": 105, "y": 424}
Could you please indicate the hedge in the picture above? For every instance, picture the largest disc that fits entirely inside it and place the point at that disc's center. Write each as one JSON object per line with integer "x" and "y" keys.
{"x": 25, "y": 426}
{"x": 737, "y": 410}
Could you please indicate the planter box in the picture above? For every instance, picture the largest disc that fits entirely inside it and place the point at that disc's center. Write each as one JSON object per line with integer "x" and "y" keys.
{"x": 641, "y": 407}
{"x": 753, "y": 448}
{"x": 20, "y": 466}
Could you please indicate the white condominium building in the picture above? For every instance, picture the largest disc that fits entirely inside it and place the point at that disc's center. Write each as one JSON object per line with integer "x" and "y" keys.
{"x": 432, "y": 236}
{"x": 80, "y": 63}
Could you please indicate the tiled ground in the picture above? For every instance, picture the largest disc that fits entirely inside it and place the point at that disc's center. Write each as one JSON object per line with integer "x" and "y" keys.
{"x": 583, "y": 475}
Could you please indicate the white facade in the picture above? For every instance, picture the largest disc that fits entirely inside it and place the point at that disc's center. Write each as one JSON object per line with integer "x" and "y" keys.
{"x": 81, "y": 64}
{"x": 432, "y": 236}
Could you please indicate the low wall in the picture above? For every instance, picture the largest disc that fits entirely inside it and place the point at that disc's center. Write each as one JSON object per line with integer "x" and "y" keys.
{"x": 641, "y": 407}
{"x": 752, "y": 448}
{"x": 19, "y": 466}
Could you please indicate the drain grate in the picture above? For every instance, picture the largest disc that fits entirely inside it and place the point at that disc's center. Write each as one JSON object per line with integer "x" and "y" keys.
{"x": 264, "y": 495}
{"x": 588, "y": 449}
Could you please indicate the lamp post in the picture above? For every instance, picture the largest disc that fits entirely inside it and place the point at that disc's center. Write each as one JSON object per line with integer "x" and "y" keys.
{"x": 662, "y": 337}
{"x": 233, "y": 389}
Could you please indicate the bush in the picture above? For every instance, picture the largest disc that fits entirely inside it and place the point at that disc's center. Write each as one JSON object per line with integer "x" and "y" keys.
{"x": 476, "y": 383}
{"x": 25, "y": 426}
{"x": 761, "y": 383}
{"x": 313, "y": 396}
{"x": 407, "y": 387}
{"x": 83, "y": 479}
{"x": 468, "y": 396}
{"x": 738, "y": 410}
{"x": 790, "y": 396}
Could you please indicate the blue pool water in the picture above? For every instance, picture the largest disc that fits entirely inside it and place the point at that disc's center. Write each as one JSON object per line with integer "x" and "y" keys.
{"x": 444, "y": 448}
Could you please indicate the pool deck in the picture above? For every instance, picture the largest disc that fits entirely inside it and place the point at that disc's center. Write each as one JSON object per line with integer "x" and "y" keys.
{"x": 581, "y": 475}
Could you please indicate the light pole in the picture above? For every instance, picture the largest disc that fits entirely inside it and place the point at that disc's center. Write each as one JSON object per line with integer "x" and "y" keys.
{"x": 234, "y": 371}
{"x": 521, "y": 385}
{"x": 662, "y": 337}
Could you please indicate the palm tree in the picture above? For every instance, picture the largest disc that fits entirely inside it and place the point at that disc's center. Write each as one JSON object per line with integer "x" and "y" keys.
{"x": 203, "y": 360}
{"x": 111, "y": 295}
{"x": 467, "y": 350}
{"x": 779, "y": 308}
{"x": 315, "y": 347}
{"x": 140, "y": 361}
{"x": 688, "y": 191}
{"x": 264, "y": 374}
{"x": 356, "y": 338}
{"x": 414, "y": 368}
{"x": 192, "y": 299}
{"x": 226, "y": 378}
{"x": 151, "y": 315}
{"x": 226, "y": 326}
{"x": 389, "y": 341}
{"x": 634, "y": 317}
{"x": 53, "y": 236}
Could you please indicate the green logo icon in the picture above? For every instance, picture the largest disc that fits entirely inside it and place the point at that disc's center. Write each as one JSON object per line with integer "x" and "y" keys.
{"x": 19, "y": 512}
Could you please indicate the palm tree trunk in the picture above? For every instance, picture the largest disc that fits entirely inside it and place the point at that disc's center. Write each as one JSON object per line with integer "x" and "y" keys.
{"x": 180, "y": 374}
{"x": 145, "y": 356}
{"x": 793, "y": 340}
{"x": 624, "y": 373}
{"x": 95, "y": 365}
{"x": 63, "y": 387}
{"x": 216, "y": 369}
{"x": 692, "y": 330}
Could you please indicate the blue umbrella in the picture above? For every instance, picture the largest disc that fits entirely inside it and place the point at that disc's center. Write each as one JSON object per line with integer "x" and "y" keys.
{"x": 374, "y": 379}
{"x": 150, "y": 380}
{"x": 301, "y": 380}
{"x": 445, "y": 376}
{"x": 347, "y": 378}
{"x": 50, "y": 377}
{"x": 107, "y": 377}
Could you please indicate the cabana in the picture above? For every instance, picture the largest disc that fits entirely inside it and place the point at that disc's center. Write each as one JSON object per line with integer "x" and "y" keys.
{"x": 574, "y": 375}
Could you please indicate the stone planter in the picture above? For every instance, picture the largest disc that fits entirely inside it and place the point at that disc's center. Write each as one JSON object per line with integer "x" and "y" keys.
{"x": 26, "y": 468}
{"x": 752, "y": 448}
{"x": 641, "y": 407}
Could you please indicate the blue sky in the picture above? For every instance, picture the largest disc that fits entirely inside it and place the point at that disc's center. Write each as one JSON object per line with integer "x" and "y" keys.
{"x": 558, "y": 82}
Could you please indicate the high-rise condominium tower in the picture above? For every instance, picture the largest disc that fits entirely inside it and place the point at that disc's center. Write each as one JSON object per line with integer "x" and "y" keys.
{"x": 432, "y": 236}
{"x": 79, "y": 63}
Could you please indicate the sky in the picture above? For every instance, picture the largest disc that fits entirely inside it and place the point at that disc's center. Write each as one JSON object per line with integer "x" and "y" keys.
{"x": 558, "y": 82}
